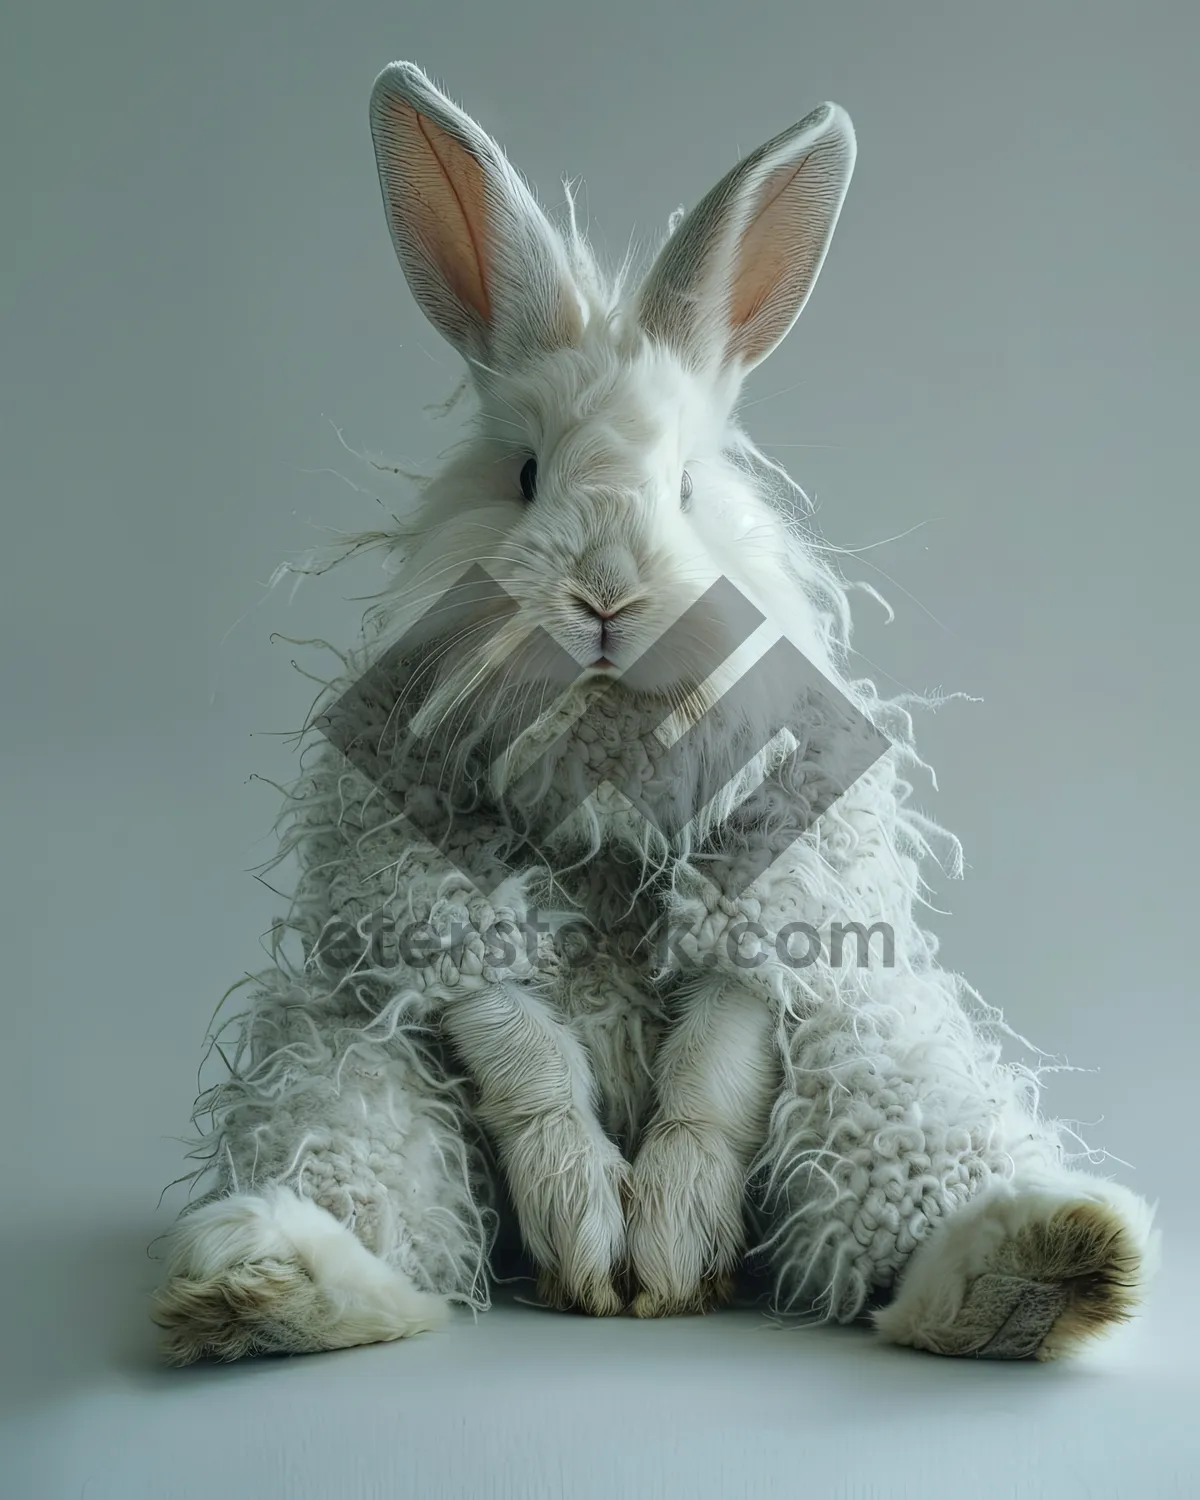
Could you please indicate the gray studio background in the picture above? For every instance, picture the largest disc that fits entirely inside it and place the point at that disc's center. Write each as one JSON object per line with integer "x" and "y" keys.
{"x": 997, "y": 372}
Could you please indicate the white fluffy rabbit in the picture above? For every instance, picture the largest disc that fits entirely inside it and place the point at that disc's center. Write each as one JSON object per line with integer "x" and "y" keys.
{"x": 607, "y": 738}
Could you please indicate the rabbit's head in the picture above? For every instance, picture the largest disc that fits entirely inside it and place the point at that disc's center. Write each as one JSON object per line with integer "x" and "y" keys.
{"x": 611, "y": 514}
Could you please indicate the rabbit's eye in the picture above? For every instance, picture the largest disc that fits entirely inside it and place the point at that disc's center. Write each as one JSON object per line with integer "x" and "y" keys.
{"x": 685, "y": 490}
{"x": 529, "y": 478}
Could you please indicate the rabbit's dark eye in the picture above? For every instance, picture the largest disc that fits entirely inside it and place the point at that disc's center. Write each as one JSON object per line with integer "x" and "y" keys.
{"x": 529, "y": 478}
{"x": 685, "y": 490}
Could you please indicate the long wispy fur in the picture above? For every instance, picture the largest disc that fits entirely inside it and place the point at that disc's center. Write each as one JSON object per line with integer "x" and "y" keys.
{"x": 641, "y": 1111}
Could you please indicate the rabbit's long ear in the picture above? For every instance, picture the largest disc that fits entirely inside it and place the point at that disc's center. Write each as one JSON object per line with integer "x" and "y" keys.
{"x": 730, "y": 282}
{"x": 483, "y": 262}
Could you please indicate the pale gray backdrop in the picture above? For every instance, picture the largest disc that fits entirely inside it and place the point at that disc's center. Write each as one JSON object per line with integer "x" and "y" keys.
{"x": 993, "y": 393}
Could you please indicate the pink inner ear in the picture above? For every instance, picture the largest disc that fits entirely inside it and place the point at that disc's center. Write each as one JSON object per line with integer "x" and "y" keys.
{"x": 768, "y": 244}
{"x": 447, "y": 205}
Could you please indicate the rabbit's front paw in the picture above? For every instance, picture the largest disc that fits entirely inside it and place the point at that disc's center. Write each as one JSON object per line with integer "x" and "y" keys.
{"x": 572, "y": 1211}
{"x": 686, "y": 1232}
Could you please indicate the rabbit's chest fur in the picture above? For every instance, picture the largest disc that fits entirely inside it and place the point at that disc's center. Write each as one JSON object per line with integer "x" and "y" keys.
{"x": 598, "y": 911}
{"x": 604, "y": 983}
{"x": 605, "y": 970}
{"x": 466, "y": 857}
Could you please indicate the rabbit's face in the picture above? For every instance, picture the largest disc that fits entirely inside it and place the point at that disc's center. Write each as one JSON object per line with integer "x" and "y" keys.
{"x": 617, "y": 496}
{"x": 617, "y": 540}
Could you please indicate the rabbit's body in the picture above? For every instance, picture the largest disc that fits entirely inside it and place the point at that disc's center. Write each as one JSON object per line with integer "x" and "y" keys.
{"x": 571, "y": 895}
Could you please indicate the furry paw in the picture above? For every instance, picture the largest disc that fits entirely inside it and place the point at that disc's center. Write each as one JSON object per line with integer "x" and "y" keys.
{"x": 273, "y": 1273}
{"x": 1025, "y": 1272}
{"x": 686, "y": 1231}
{"x": 710, "y": 1293}
{"x": 571, "y": 1206}
{"x": 604, "y": 1299}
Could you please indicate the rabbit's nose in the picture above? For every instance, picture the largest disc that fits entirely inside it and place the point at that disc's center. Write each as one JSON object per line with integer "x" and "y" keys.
{"x": 606, "y": 581}
{"x": 594, "y": 609}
